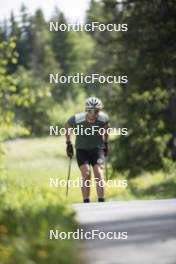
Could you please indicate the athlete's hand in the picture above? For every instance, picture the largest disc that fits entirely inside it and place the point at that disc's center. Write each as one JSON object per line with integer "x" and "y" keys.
{"x": 69, "y": 149}
{"x": 106, "y": 149}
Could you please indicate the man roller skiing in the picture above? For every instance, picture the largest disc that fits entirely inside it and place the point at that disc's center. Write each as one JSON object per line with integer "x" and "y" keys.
{"x": 91, "y": 147}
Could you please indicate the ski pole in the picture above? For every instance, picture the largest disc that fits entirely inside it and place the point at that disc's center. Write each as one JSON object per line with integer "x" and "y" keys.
{"x": 68, "y": 176}
{"x": 106, "y": 168}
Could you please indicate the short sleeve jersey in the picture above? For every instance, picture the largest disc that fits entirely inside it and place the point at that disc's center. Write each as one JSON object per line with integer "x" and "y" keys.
{"x": 88, "y": 135}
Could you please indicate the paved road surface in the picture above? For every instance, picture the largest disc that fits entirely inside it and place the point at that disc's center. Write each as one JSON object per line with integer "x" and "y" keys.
{"x": 151, "y": 227}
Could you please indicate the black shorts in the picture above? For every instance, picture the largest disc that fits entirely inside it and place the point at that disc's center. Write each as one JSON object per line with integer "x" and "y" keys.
{"x": 92, "y": 157}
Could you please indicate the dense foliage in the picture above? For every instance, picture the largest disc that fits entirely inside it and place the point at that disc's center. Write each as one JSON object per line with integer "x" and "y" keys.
{"x": 27, "y": 214}
{"x": 29, "y": 105}
{"x": 147, "y": 104}
{"x": 145, "y": 53}
{"x": 26, "y": 218}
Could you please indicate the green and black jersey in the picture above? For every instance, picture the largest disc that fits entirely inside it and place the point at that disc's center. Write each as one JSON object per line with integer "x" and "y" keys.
{"x": 93, "y": 138}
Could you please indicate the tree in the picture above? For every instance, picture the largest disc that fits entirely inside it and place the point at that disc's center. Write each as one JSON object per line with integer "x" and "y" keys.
{"x": 74, "y": 51}
{"x": 146, "y": 106}
{"x": 9, "y": 98}
{"x": 24, "y": 41}
{"x": 42, "y": 59}
{"x": 34, "y": 113}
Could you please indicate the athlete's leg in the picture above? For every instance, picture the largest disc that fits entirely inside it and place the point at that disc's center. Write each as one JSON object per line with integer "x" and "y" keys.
{"x": 85, "y": 172}
{"x": 83, "y": 163}
{"x": 97, "y": 161}
{"x": 98, "y": 174}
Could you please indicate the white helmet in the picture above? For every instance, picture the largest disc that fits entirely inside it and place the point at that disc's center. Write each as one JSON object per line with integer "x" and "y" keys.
{"x": 93, "y": 103}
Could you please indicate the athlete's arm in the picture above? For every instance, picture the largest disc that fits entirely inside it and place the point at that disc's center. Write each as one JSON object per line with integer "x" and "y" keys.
{"x": 69, "y": 148}
{"x": 67, "y": 135}
{"x": 106, "y": 135}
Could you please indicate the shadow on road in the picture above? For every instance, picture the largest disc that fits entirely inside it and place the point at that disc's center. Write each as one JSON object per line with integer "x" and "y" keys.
{"x": 156, "y": 228}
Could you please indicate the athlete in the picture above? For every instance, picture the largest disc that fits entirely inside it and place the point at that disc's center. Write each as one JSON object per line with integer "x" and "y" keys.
{"x": 91, "y": 145}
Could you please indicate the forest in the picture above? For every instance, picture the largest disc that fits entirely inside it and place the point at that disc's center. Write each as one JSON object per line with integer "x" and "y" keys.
{"x": 144, "y": 102}
{"x": 145, "y": 53}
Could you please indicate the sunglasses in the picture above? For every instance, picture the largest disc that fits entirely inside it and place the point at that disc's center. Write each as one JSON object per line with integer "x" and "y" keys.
{"x": 95, "y": 111}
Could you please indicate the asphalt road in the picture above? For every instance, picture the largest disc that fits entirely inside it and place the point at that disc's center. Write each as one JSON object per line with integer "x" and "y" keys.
{"x": 150, "y": 225}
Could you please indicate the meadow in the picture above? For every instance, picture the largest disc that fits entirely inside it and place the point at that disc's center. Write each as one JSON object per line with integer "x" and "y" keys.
{"x": 32, "y": 162}
{"x": 29, "y": 207}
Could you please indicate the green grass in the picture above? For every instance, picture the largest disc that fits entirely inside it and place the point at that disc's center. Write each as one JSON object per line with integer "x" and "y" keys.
{"x": 158, "y": 185}
{"x": 29, "y": 207}
{"x": 32, "y": 162}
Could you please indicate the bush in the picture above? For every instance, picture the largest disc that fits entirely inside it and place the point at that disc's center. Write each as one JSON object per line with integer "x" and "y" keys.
{"x": 26, "y": 217}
